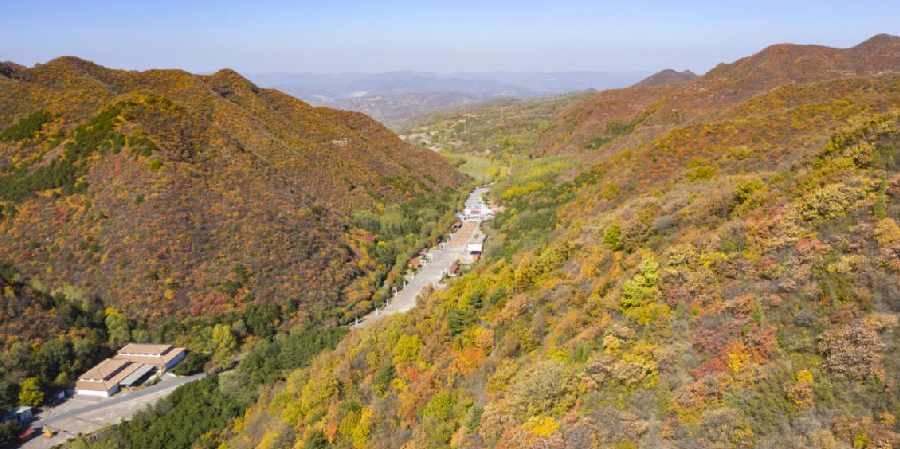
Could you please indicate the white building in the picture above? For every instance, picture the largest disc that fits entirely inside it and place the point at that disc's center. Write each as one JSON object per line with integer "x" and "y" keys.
{"x": 129, "y": 367}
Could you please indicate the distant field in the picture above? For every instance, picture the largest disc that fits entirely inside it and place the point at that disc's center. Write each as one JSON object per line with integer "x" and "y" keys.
{"x": 482, "y": 168}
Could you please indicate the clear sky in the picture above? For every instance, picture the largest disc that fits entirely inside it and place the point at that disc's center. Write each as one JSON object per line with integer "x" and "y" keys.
{"x": 373, "y": 36}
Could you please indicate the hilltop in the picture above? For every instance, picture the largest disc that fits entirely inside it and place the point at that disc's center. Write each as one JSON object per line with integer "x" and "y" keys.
{"x": 170, "y": 195}
{"x": 666, "y": 77}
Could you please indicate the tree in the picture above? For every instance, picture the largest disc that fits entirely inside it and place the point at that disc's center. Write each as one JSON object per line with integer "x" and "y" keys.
{"x": 117, "y": 326}
{"x": 192, "y": 364}
{"x": 223, "y": 341}
{"x": 407, "y": 349}
{"x": 611, "y": 236}
{"x": 383, "y": 379}
{"x": 30, "y": 393}
{"x": 8, "y": 392}
{"x": 9, "y": 432}
{"x": 316, "y": 440}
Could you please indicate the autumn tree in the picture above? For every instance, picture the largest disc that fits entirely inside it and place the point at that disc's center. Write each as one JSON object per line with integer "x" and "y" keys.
{"x": 30, "y": 393}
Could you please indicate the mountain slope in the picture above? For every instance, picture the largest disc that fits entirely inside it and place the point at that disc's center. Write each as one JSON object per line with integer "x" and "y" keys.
{"x": 168, "y": 194}
{"x": 729, "y": 281}
{"x": 611, "y": 115}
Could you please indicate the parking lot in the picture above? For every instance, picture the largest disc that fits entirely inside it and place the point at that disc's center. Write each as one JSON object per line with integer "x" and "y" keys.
{"x": 85, "y": 414}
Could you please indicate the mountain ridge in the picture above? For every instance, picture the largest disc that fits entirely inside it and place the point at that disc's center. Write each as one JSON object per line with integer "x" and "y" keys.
{"x": 726, "y": 84}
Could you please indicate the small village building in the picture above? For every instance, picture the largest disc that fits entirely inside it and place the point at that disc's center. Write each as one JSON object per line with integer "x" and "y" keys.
{"x": 103, "y": 379}
{"x": 20, "y": 415}
{"x": 131, "y": 366}
{"x": 163, "y": 357}
{"x": 474, "y": 248}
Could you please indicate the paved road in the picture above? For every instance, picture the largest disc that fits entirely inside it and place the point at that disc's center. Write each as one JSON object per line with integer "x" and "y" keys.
{"x": 119, "y": 399}
{"x": 433, "y": 272}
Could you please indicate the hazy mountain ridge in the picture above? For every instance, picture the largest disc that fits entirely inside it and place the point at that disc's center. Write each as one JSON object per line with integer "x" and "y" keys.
{"x": 396, "y": 111}
{"x": 396, "y": 98}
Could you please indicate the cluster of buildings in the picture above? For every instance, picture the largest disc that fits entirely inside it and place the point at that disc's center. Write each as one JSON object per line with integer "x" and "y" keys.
{"x": 476, "y": 209}
{"x": 478, "y": 213}
{"x": 131, "y": 366}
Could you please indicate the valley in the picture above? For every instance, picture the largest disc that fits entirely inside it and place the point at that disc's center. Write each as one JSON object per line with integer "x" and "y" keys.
{"x": 693, "y": 261}
{"x": 438, "y": 264}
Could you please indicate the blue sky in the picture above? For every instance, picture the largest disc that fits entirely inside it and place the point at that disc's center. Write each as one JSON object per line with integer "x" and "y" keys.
{"x": 374, "y": 36}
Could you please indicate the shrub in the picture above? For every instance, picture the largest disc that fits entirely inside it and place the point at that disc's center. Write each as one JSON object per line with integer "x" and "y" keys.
{"x": 747, "y": 195}
{"x": 828, "y": 202}
{"x": 699, "y": 169}
{"x": 853, "y": 351}
{"x": 545, "y": 388}
{"x": 638, "y": 299}
{"x": 611, "y": 236}
{"x": 887, "y": 232}
{"x": 192, "y": 364}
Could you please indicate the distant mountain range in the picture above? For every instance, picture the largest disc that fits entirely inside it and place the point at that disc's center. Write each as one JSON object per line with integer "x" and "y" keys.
{"x": 394, "y": 98}
{"x": 335, "y": 86}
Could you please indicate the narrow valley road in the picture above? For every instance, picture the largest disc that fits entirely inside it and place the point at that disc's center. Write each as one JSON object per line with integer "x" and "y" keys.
{"x": 432, "y": 273}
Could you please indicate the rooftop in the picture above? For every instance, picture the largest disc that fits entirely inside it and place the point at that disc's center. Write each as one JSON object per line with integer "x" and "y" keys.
{"x": 87, "y": 383}
{"x": 158, "y": 359}
{"x": 105, "y": 369}
{"x": 144, "y": 349}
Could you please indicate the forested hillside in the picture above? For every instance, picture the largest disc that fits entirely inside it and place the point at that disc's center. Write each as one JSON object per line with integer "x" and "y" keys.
{"x": 148, "y": 188}
{"x": 196, "y": 210}
{"x": 718, "y": 269}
